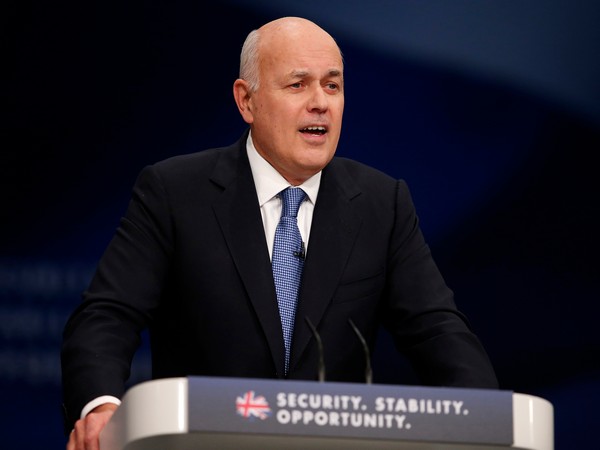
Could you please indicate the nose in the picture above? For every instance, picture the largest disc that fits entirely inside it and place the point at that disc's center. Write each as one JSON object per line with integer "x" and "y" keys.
{"x": 318, "y": 100}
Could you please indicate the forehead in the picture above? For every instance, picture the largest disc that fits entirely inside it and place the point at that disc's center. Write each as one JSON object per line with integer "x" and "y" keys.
{"x": 314, "y": 54}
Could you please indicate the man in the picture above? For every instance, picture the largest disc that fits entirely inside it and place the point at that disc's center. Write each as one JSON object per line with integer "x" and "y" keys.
{"x": 195, "y": 256}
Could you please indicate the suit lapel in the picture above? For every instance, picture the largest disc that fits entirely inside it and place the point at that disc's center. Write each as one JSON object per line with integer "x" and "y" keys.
{"x": 239, "y": 217}
{"x": 333, "y": 231}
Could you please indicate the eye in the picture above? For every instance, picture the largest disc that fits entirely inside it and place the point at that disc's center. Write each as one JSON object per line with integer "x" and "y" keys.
{"x": 296, "y": 85}
{"x": 332, "y": 86}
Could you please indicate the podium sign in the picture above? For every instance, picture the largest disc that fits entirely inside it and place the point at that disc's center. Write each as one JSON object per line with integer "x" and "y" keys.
{"x": 199, "y": 413}
{"x": 346, "y": 410}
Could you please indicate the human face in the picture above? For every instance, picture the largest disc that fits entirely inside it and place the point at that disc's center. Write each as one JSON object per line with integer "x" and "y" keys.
{"x": 296, "y": 112}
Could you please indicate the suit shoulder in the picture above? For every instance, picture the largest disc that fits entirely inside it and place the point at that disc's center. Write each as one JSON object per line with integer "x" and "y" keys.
{"x": 189, "y": 161}
{"x": 361, "y": 172}
{"x": 196, "y": 165}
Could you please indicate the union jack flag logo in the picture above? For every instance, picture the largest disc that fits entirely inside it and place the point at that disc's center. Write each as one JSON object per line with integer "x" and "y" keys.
{"x": 250, "y": 405}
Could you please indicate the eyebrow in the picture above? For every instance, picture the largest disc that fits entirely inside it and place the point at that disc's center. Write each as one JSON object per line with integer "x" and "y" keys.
{"x": 305, "y": 73}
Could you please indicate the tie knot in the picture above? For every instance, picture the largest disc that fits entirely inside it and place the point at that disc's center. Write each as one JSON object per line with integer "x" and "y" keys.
{"x": 291, "y": 199}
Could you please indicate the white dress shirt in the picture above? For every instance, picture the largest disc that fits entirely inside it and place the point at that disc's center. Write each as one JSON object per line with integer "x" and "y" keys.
{"x": 269, "y": 183}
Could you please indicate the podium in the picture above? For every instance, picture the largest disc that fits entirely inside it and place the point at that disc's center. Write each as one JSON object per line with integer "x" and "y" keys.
{"x": 238, "y": 413}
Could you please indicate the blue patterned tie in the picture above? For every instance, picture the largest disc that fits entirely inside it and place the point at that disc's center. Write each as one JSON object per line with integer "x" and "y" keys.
{"x": 287, "y": 262}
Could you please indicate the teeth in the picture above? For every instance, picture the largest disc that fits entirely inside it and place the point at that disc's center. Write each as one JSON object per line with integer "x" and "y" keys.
{"x": 315, "y": 128}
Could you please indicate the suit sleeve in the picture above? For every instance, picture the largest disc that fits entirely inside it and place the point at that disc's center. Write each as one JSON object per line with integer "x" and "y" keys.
{"x": 102, "y": 335}
{"x": 421, "y": 313}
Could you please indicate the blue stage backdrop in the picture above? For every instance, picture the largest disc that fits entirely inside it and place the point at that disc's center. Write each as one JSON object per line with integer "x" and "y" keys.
{"x": 490, "y": 110}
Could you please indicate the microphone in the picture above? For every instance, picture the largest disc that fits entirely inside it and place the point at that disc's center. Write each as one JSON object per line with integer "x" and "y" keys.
{"x": 368, "y": 370}
{"x": 321, "y": 365}
{"x": 301, "y": 253}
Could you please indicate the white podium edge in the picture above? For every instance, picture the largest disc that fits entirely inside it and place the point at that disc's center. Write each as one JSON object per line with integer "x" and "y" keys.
{"x": 533, "y": 422}
{"x": 138, "y": 417}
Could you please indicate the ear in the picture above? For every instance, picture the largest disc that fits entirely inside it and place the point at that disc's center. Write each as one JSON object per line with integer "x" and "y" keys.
{"x": 242, "y": 94}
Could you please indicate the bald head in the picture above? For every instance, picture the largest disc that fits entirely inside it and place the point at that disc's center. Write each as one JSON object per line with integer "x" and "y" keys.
{"x": 292, "y": 28}
{"x": 274, "y": 35}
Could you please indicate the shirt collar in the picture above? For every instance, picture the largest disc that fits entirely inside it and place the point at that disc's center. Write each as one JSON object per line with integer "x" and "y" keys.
{"x": 269, "y": 182}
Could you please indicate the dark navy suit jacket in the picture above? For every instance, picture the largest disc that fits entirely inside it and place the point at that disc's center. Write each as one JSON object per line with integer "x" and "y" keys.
{"x": 190, "y": 261}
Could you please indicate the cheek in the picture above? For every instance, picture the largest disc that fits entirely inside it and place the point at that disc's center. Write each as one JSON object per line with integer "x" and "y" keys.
{"x": 269, "y": 116}
{"x": 339, "y": 111}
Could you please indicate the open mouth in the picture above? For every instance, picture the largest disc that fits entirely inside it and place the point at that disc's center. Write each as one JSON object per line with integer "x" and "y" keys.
{"x": 318, "y": 131}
